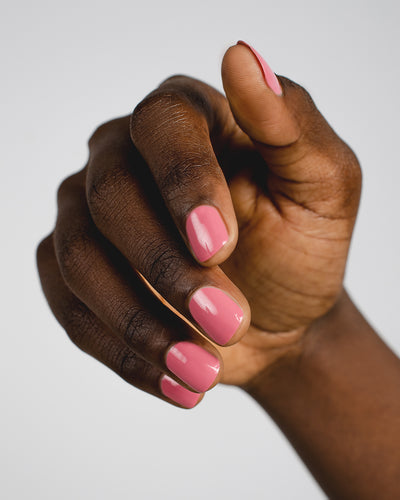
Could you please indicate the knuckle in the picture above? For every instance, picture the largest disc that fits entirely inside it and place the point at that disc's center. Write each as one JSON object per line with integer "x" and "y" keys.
{"x": 344, "y": 165}
{"x": 43, "y": 250}
{"x": 160, "y": 107}
{"x": 126, "y": 363}
{"x": 98, "y": 191}
{"x": 163, "y": 266}
{"x": 77, "y": 323}
{"x": 104, "y": 189}
{"x": 109, "y": 128}
{"x": 194, "y": 92}
{"x": 183, "y": 172}
{"x": 132, "y": 368}
{"x": 135, "y": 326}
{"x": 99, "y": 134}
{"x": 68, "y": 186}
{"x": 305, "y": 96}
{"x": 296, "y": 91}
{"x": 340, "y": 182}
{"x": 177, "y": 79}
{"x": 73, "y": 251}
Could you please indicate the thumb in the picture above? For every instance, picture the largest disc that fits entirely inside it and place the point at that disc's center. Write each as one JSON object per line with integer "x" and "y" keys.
{"x": 295, "y": 140}
{"x": 257, "y": 97}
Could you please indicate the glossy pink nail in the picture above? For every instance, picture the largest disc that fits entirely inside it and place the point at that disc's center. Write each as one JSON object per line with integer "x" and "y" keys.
{"x": 193, "y": 364}
{"x": 269, "y": 76}
{"x": 206, "y": 232}
{"x": 216, "y": 313}
{"x": 177, "y": 393}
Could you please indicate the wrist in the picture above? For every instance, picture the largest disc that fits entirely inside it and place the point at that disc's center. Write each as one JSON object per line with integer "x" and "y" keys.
{"x": 338, "y": 399}
{"x": 287, "y": 361}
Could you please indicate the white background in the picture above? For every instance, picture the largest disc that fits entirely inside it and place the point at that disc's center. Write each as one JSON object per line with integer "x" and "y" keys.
{"x": 70, "y": 428}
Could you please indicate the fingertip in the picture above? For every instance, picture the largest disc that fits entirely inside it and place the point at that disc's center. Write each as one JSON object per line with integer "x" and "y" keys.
{"x": 211, "y": 236}
{"x": 243, "y": 325}
{"x": 243, "y": 64}
{"x": 271, "y": 79}
{"x": 195, "y": 363}
{"x": 257, "y": 97}
{"x": 179, "y": 395}
{"x": 223, "y": 318}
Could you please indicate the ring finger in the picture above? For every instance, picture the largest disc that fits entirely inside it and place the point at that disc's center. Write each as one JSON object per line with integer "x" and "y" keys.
{"x": 102, "y": 279}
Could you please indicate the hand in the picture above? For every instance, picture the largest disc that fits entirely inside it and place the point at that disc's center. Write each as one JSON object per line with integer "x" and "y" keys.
{"x": 253, "y": 197}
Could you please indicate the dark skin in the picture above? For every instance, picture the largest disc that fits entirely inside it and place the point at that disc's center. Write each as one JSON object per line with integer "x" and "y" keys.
{"x": 118, "y": 270}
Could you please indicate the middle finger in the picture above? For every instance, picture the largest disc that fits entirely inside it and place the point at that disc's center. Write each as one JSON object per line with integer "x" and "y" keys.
{"x": 129, "y": 211}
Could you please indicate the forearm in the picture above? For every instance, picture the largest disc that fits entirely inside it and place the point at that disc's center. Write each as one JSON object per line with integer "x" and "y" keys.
{"x": 338, "y": 402}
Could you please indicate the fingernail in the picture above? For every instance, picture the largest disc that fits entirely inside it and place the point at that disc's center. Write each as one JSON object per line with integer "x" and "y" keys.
{"x": 269, "y": 75}
{"x": 206, "y": 232}
{"x": 193, "y": 364}
{"x": 216, "y": 313}
{"x": 177, "y": 393}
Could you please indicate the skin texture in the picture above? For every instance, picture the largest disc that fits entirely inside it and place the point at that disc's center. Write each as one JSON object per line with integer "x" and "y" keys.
{"x": 294, "y": 202}
{"x": 118, "y": 270}
{"x": 338, "y": 402}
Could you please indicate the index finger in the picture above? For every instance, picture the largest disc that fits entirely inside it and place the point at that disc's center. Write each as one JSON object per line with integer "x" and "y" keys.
{"x": 171, "y": 128}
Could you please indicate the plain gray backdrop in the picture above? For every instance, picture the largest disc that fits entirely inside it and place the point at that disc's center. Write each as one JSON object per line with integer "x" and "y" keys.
{"x": 70, "y": 428}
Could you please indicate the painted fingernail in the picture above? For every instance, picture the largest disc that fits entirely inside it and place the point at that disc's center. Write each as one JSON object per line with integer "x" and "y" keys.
{"x": 206, "y": 232}
{"x": 177, "y": 393}
{"x": 193, "y": 364}
{"x": 269, "y": 75}
{"x": 216, "y": 313}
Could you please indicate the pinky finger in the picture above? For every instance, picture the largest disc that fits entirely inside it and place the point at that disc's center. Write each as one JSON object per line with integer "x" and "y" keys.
{"x": 93, "y": 337}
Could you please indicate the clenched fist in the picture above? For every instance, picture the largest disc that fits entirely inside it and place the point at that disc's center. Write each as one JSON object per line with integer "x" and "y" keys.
{"x": 206, "y": 234}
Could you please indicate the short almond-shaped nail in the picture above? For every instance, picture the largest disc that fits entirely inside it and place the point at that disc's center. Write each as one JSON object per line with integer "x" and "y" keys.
{"x": 206, "y": 232}
{"x": 177, "y": 393}
{"x": 269, "y": 76}
{"x": 216, "y": 313}
{"x": 193, "y": 364}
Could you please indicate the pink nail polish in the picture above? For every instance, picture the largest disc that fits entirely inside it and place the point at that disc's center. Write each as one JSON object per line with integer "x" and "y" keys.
{"x": 269, "y": 75}
{"x": 216, "y": 313}
{"x": 206, "y": 231}
{"x": 177, "y": 393}
{"x": 193, "y": 364}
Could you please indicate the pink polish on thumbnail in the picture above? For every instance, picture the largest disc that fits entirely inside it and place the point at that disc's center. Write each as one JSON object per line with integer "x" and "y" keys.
{"x": 269, "y": 76}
